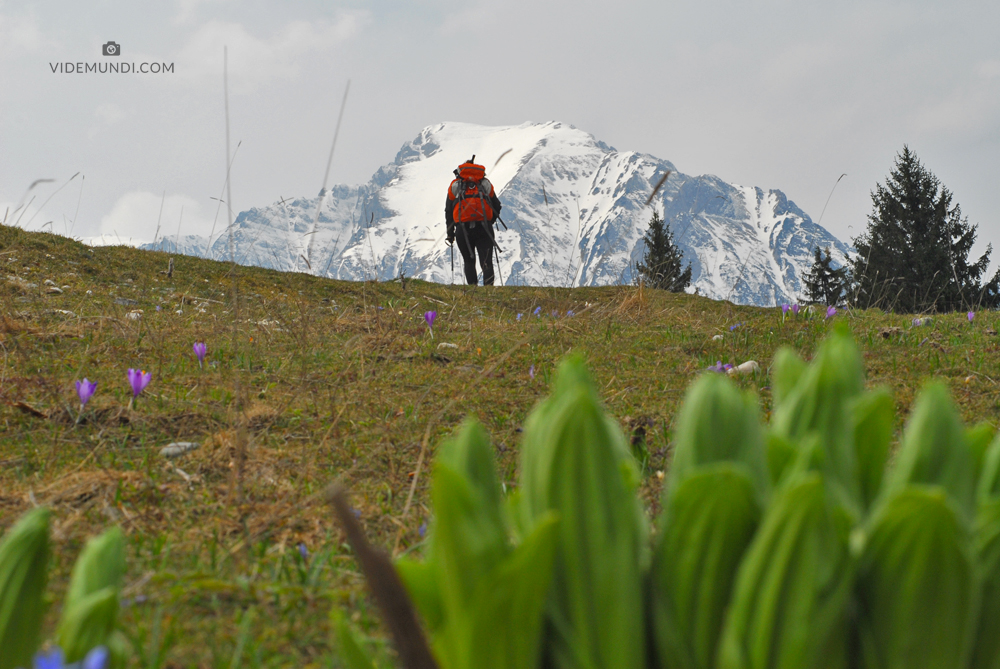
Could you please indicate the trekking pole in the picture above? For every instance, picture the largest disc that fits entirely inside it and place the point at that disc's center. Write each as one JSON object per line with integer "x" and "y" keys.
{"x": 496, "y": 252}
{"x": 452, "y": 245}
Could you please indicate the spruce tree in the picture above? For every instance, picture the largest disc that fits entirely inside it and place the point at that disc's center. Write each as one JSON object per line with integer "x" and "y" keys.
{"x": 914, "y": 256}
{"x": 824, "y": 283}
{"x": 661, "y": 262}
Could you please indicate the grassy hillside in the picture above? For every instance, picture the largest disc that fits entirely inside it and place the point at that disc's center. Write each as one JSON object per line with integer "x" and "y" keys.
{"x": 308, "y": 381}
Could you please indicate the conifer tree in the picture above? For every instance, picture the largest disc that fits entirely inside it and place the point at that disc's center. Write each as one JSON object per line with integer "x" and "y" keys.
{"x": 914, "y": 256}
{"x": 824, "y": 283}
{"x": 661, "y": 262}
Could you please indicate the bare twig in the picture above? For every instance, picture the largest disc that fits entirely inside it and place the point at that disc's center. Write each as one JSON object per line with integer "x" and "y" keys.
{"x": 384, "y": 582}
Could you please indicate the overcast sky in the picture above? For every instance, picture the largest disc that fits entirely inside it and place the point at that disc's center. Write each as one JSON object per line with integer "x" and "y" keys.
{"x": 781, "y": 94}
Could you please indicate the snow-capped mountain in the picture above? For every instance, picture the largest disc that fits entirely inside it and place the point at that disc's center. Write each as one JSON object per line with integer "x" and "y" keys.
{"x": 574, "y": 209}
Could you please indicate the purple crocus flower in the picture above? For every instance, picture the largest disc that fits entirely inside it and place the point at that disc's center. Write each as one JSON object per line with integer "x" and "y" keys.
{"x": 719, "y": 367}
{"x": 733, "y": 327}
{"x": 303, "y": 551}
{"x": 538, "y": 310}
{"x": 795, "y": 309}
{"x": 531, "y": 371}
{"x": 85, "y": 389}
{"x": 972, "y": 315}
{"x": 429, "y": 316}
{"x": 138, "y": 379}
{"x": 95, "y": 659}
{"x": 784, "y": 308}
{"x": 519, "y": 316}
{"x": 570, "y": 314}
{"x": 422, "y": 530}
{"x": 200, "y": 350}
{"x": 831, "y": 312}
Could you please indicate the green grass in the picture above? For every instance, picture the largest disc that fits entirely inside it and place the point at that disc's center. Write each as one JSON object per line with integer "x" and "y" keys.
{"x": 309, "y": 381}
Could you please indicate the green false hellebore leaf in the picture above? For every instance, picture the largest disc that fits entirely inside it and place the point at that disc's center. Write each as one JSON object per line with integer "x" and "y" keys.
{"x": 819, "y": 405}
{"x": 988, "y": 487}
{"x": 24, "y": 569}
{"x": 468, "y": 539}
{"x": 979, "y": 437}
{"x": 786, "y": 370}
{"x": 872, "y": 416}
{"x": 482, "y": 599}
{"x": 718, "y": 423}
{"x": 504, "y": 630}
{"x": 88, "y": 623}
{"x": 793, "y": 584}
{"x": 422, "y": 584}
{"x": 87, "y": 616}
{"x": 934, "y": 451}
{"x": 575, "y": 462}
{"x": 986, "y": 647}
{"x": 917, "y": 589}
{"x": 101, "y": 565}
{"x": 781, "y": 456}
{"x": 708, "y": 523}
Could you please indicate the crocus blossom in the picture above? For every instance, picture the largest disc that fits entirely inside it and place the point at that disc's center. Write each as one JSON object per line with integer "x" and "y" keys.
{"x": 95, "y": 659}
{"x": 972, "y": 315}
{"x": 538, "y": 311}
{"x": 531, "y": 371}
{"x": 200, "y": 349}
{"x": 795, "y": 309}
{"x": 85, "y": 389}
{"x": 719, "y": 367}
{"x": 831, "y": 312}
{"x": 429, "y": 317}
{"x": 138, "y": 379}
{"x": 519, "y": 316}
{"x": 784, "y": 308}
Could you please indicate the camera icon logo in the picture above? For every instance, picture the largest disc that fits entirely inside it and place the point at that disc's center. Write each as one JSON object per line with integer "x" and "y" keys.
{"x": 111, "y": 49}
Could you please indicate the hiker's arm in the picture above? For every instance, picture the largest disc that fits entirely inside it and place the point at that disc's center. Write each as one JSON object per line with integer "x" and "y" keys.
{"x": 495, "y": 203}
{"x": 449, "y": 220}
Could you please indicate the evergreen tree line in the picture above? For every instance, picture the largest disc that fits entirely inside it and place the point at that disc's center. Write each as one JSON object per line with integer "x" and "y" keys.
{"x": 912, "y": 258}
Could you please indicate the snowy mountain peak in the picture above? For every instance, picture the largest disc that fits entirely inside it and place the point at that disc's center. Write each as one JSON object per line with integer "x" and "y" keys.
{"x": 574, "y": 210}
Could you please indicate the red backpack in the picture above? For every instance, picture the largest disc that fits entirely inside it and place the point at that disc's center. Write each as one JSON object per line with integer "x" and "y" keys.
{"x": 471, "y": 192}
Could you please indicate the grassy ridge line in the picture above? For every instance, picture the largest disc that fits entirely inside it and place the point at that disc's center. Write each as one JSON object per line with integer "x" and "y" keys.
{"x": 340, "y": 380}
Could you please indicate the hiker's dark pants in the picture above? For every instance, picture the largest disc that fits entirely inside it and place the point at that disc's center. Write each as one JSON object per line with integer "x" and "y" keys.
{"x": 473, "y": 238}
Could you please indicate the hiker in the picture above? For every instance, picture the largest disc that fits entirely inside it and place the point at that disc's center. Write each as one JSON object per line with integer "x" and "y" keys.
{"x": 469, "y": 213}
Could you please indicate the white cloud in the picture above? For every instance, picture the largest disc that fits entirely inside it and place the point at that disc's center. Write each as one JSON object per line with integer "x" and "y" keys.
{"x": 255, "y": 60}
{"x": 133, "y": 218}
{"x": 20, "y": 35}
{"x": 989, "y": 69}
{"x": 186, "y": 10}
{"x": 969, "y": 108}
{"x": 474, "y": 21}
{"x": 107, "y": 115}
